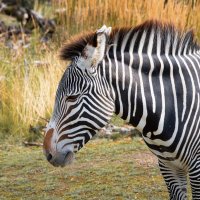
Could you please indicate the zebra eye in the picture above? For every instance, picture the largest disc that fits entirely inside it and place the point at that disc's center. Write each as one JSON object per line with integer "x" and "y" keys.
{"x": 72, "y": 97}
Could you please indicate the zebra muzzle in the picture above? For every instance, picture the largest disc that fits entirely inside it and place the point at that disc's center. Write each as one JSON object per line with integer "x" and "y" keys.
{"x": 60, "y": 159}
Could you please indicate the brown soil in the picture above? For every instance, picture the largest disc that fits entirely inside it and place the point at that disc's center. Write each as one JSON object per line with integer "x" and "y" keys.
{"x": 145, "y": 159}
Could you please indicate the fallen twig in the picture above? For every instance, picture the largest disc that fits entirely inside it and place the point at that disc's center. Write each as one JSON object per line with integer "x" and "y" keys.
{"x": 32, "y": 144}
{"x": 46, "y": 120}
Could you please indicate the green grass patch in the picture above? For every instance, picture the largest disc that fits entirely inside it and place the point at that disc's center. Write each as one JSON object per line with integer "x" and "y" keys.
{"x": 103, "y": 169}
{"x": 117, "y": 121}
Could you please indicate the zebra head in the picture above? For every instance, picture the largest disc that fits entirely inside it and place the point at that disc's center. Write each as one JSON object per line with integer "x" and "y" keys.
{"x": 83, "y": 103}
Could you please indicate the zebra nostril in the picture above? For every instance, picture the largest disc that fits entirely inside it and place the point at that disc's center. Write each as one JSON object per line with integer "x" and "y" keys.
{"x": 49, "y": 157}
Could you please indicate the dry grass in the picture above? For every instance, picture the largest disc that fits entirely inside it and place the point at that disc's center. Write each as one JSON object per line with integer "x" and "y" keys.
{"x": 27, "y": 90}
{"x": 87, "y": 14}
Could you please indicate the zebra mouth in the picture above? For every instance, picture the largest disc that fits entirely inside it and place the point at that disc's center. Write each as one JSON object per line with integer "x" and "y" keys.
{"x": 61, "y": 160}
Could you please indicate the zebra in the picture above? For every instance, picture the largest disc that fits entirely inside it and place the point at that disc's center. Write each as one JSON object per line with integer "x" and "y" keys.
{"x": 149, "y": 76}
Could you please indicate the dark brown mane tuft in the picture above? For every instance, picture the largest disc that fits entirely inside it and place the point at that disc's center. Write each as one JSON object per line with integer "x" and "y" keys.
{"x": 76, "y": 45}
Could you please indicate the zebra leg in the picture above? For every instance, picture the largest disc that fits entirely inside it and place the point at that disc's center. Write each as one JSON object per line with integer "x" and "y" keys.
{"x": 194, "y": 175}
{"x": 176, "y": 181}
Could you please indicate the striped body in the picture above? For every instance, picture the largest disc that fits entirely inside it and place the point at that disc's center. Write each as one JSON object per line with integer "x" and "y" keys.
{"x": 158, "y": 94}
{"x": 149, "y": 76}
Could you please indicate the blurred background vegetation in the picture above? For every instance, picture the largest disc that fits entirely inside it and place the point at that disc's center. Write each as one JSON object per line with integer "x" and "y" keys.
{"x": 30, "y": 68}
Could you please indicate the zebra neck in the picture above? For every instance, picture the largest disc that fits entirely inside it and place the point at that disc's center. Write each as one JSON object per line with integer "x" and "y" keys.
{"x": 142, "y": 89}
{"x": 123, "y": 82}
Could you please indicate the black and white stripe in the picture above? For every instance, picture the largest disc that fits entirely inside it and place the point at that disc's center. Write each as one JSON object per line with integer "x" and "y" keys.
{"x": 161, "y": 99}
{"x": 150, "y": 78}
{"x": 80, "y": 109}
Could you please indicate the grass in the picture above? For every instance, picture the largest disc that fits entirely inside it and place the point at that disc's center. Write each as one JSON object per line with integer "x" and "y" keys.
{"x": 104, "y": 169}
{"x": 92, "y": 14}
{"x": 27, "y": 90}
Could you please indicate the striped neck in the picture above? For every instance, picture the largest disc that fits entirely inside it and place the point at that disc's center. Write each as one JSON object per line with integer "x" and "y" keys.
{"x": 138, "y": 56}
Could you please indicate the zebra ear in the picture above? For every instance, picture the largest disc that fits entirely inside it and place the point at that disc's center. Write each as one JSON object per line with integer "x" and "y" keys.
{"x": 94, "y": 51}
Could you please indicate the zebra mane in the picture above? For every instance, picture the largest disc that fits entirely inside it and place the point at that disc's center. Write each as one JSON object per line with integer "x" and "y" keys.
{"x": 180, "y": 42}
